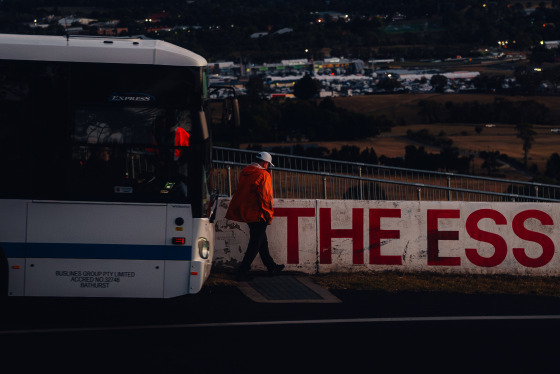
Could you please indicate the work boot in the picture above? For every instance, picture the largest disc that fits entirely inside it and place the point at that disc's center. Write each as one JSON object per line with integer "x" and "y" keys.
{"x": 275, "y": 269}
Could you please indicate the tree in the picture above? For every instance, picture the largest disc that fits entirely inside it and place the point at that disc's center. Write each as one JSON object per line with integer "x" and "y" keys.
{"x": 490, "y": 160}
{"x": 389, "y": 84}
{"x": 306, "y": 87}
{"x": 255, "y": 87}
{"x": 489, "y": 83}
{"x": 553, "y": 76}
{"x": 527, "y": 79}
{"x": 541, "y": 54}
{"x": 438, "y": 82}
{"x": 553, "y": 166}
{"x": 526, "y": 133}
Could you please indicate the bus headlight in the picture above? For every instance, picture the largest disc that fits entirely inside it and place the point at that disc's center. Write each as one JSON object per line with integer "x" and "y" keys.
{"x": 203, "y": 248}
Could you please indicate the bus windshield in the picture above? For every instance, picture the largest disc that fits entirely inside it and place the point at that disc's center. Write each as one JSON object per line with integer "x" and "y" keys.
{"x": 102, "y": 132}
{"x": 130, "y": 153}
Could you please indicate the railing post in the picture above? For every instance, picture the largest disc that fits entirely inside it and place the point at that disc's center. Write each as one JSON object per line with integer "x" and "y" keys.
{"x": 325, "y": 187}
{"x": 361, "y": 184}
{"x": 537, "y": 193}
{"x": 229, "y": 180}
{"x": 449, "y": 188}
{"x": 419, "y": 190}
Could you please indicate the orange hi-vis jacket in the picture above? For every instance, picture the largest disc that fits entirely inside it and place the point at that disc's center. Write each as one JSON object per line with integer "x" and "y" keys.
{"x": 181, "y": 140}
{"x": 252, "y": 201}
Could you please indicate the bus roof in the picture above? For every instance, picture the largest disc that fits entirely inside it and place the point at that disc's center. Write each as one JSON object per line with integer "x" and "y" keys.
{"x": 134, "y": 50}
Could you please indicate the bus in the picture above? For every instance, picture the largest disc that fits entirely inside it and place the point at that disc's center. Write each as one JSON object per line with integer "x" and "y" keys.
{"x": 105, "y": 168}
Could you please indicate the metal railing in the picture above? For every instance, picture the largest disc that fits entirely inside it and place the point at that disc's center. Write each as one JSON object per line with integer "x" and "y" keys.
{"x": 296, "y": 177}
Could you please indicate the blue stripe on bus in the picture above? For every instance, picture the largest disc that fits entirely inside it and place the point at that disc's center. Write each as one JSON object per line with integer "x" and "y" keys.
{"x": 97, "y": 251}
{"x": 13, "y": 249}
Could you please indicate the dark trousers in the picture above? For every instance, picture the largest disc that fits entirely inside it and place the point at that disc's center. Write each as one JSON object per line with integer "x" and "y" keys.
{"x": 258, "y": 243}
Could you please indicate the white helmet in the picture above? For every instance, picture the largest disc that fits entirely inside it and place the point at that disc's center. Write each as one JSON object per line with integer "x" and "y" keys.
{"x": 265, "y": 156}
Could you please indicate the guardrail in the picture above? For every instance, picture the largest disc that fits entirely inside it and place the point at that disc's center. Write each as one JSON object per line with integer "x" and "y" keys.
{"x": 296, "y": 177}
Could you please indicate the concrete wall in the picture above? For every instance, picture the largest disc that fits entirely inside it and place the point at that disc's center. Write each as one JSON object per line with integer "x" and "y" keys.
{"x": 460, "y": 237}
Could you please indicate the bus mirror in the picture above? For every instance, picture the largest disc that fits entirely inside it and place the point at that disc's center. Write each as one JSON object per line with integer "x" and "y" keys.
{"x": 204, "y": 133}
{"x": 230, "y": 113}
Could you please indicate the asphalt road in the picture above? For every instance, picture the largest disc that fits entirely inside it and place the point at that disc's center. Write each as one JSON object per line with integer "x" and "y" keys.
{"x": 220, "y": 330}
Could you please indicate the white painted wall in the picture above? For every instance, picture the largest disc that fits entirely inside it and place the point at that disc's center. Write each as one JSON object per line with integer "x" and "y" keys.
{"x": 450, "y": 237}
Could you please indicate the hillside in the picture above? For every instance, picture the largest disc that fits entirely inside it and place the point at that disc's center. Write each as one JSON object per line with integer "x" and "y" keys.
{"x": 404, "y": 109}
{"x": 405, "y": 106}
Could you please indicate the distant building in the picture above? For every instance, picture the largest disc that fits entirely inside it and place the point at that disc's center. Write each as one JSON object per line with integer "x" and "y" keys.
{"x": 157, "y": 17}
{"x": 283, "y": 31}
{"x": 551, "y": 44}
{"x": 530, "y": 6}
{"x": 330, "y": 16}
{"x": 158, "y": 29}
{"x": 68, "y": 21}
{"x": 109, "y": 28}
{"x": 258, "y": 35}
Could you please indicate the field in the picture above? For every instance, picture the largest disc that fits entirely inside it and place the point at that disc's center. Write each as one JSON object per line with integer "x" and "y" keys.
{"x": 501, "y": 138}
{"x": 404, "y": 108}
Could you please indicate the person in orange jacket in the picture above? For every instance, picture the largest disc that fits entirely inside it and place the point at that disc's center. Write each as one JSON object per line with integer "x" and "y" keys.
{"x": 252, "y": 203}
{"x": 181, "y": 140}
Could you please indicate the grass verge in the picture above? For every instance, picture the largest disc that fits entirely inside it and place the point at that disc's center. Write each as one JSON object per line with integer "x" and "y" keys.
{"x": 394, "y": 281}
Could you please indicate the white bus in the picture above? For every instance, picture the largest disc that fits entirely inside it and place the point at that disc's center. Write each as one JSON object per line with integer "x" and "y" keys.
{"x": 105, "y": 165}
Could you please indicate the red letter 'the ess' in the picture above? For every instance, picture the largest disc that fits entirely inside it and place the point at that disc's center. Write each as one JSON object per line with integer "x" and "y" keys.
{"x": 434, "y": 236}
{"x": 327, "y": 233}
{"x": 500, "y": 246}
{"x": 293, "y": 232}
{"x": 376, "y": 234}
{"x": 532, "y": 236}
